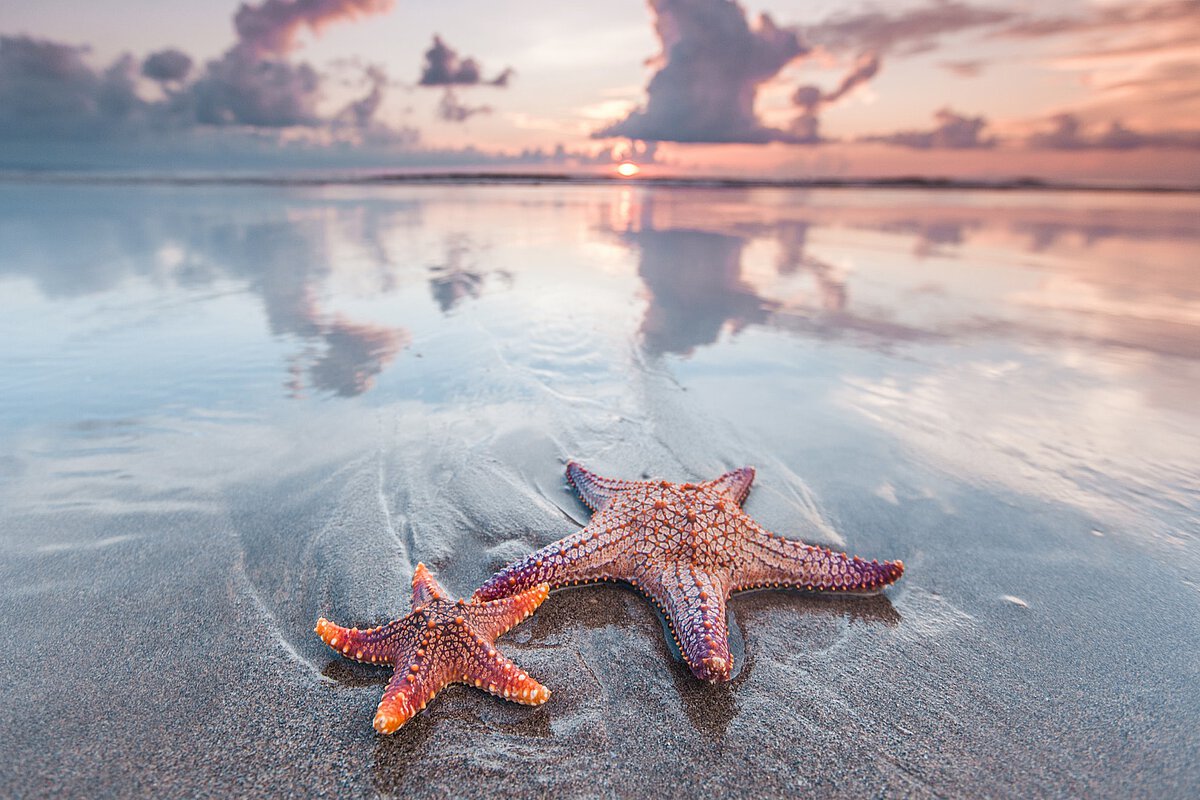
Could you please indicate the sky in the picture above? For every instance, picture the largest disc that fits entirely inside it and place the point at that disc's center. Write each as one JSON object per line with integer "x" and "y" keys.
{"x": 1075, "y": 90}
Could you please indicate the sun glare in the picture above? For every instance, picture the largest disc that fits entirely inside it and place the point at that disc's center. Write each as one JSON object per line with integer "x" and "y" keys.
{"x": 627, "y": 169}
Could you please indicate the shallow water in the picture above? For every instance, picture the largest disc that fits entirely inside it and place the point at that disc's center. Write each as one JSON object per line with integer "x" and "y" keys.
{"x": 228, "y": 410}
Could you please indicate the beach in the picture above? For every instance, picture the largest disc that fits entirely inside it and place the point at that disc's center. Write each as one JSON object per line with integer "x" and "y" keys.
{"x": 229, "y": 410}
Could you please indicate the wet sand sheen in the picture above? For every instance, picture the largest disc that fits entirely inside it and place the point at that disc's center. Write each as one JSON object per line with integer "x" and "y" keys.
{"x": 246, "y": 408}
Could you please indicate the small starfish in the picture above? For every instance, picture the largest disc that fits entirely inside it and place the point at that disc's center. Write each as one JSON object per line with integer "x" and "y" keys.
{"x": 441, "y": 641}
{"x": 687, "y": 547}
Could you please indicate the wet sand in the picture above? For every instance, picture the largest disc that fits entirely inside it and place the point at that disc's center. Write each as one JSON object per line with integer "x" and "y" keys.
{"x": 228, "y": 411}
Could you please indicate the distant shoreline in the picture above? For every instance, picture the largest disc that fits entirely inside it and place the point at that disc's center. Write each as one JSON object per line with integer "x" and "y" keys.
{"x": 535, "y": 179}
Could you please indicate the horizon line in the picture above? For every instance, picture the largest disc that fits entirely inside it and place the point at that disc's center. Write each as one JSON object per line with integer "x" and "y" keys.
{"x": 485, "y": 177}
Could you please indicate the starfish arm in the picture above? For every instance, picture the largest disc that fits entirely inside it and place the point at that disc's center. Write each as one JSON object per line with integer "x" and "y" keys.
{"x": 386, "y": 644}
{"x": 414, "y": 683}
{"x": 492, "y": 671}
{"x": 771, "y": 560}
{"x": 596, "y": 491}
{"x": 734, "y": 484}
{"x": 425, "y": 587}
{"x": 694, "y": 604}
{"x": 585, "y": 556}
{"x": 493, "y": 618}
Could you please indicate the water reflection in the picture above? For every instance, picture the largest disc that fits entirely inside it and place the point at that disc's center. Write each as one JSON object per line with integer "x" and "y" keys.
{"x": 690, "y": 305}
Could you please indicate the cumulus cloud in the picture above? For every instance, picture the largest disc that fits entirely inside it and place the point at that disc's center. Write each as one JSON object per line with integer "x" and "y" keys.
{"x": 253, "y": 83}
{"x": 444, "y": 67}
{"x": 712, "y": 65}
{"x": 953, "y": 131}
{"x": 167, "y": 66}
{"x": 1066, "y": 132}
{"x": 48, "y": 90}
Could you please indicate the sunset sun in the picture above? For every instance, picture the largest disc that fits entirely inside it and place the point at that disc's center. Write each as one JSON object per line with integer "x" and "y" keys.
{"x": 627, "y": 169}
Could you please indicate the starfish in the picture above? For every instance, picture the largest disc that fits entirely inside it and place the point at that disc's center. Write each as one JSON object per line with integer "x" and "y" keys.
{"x": 441, "y": 641}
{"x": 687, "y": 547}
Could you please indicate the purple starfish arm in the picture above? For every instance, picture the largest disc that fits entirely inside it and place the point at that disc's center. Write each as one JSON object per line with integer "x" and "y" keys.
{"x": 769, "y": 560}
{"x": 734, "y": 484}
{"x": 693, "y": 603}
{"x": 595, "y": 490}
{"x": 586, "y": 556}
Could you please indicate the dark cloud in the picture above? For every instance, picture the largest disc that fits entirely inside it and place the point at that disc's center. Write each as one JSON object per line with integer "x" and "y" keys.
{"x": 444, "y": 67}
{"x": 167, "y": 66}
{"x": 713, "y": 63}
{"x": 451, "y": 109}
{"x": 952, "y": 132}
{"x": 1068, "y": 133}
{"x": 238, "y": 89}
{"x": 48, "y": 90}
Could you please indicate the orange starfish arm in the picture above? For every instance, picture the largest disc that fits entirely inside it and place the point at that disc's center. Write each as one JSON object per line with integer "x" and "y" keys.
{"x": 492, "y": 671}
{"x": 425, "y": 587}
{"x": 373, "y": 645}
{"x": 771, "y": 560}
{"x": 494, "y": 618}
{"x": 734, "y": 484}
{"x": 411, "y": 688}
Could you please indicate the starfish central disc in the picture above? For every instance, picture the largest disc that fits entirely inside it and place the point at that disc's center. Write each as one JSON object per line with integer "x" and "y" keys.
{"x": 441, "y": 641}
{"x": 687, "y": 547}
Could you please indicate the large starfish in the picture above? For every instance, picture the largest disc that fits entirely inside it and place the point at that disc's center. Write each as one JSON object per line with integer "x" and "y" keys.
{"x": 687, "y": 547}
{"x": 441, "y": 641}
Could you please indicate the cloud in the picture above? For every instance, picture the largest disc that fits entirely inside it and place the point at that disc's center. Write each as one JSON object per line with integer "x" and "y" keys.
{"x": 915, "y": 30}
{"x": 165, "y": 66}
{"x": 1120, "y": 17}
{"x": 811, "y": 99}
{"x": 872, "y": 34}
{"x": 270, "y": 27}
{"x": 451, "y": 110}
{"x": 967, "y": 68}
{"x": 252, "y": 83}
{"x": 952, "y": 132}
{"x": 712, "y": 65}
{"x": 444, "y": 67}
{"x": 48, "y": 90}
{"x": 1068, "y": 133}
{"x": 360, "y": 113}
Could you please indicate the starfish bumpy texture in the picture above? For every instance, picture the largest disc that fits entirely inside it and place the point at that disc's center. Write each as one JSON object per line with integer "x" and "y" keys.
{"x": 687, "y": 547}
{"x": 442, "y": 641}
